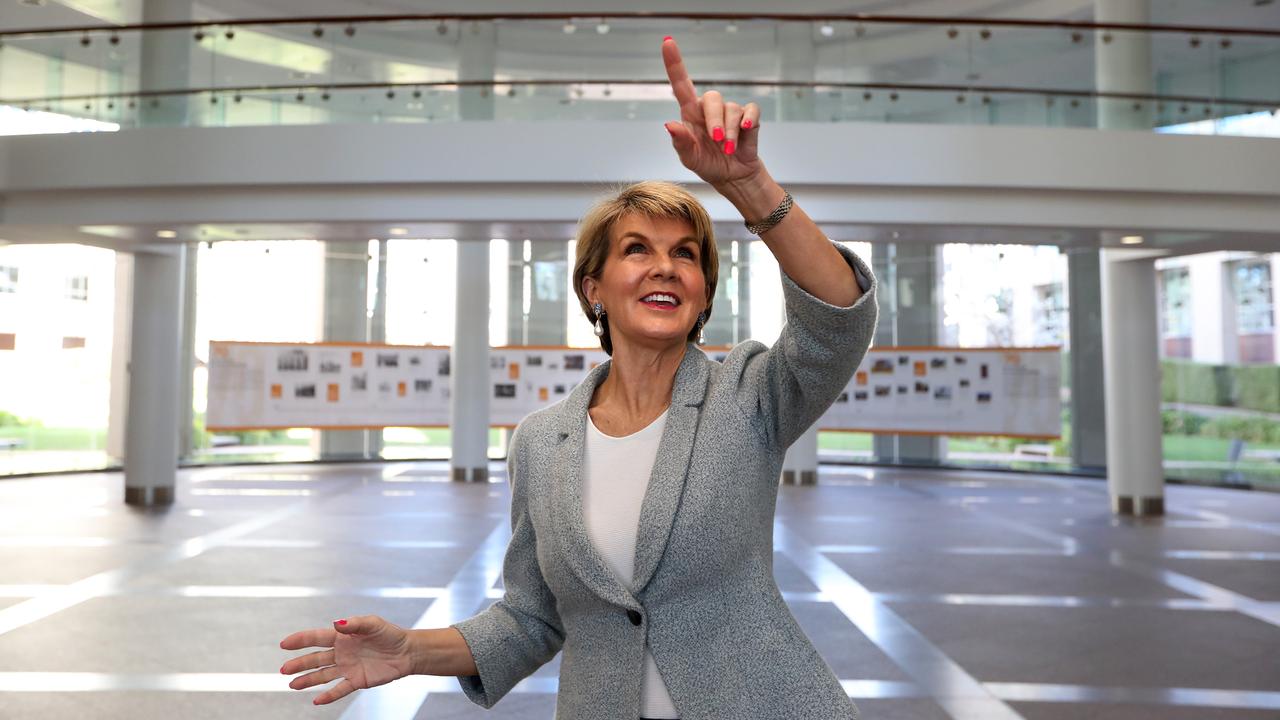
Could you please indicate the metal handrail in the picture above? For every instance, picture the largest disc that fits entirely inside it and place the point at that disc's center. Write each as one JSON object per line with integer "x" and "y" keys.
{"x": 963, "y": 90}
{"x": 860, "y": 18}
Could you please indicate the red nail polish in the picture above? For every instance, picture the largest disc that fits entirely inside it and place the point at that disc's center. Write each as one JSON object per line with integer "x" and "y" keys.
{"x": 717, "y": 134}
{"x": 729, "y": 148}
{"x": 746, "y": 124}
{"x": 666, "y": 38}
{"x": 342, "y": 622}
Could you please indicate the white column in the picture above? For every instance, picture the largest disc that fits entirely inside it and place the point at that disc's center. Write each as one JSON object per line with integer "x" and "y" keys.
{"x": 346, "y": 287}
{"x": 1214, "y": 334}
{"x": 121, "y": 334}
{"x": 800, "y": 466}
{"x": 187, "y": 360}
{"x": 469, "y": 363}
{"x": 1130, "y": 332}
{"x": 798, "y": 60}
{"x": 151, "y": 439}
{"x": 477, "y": 55}
{"x": 1088, "y": 402}
{"x": 165, "y": 63}
{"x": 918, "y": 277}
{"x": 1130, "y": 327}
{"x": 1275, "y": 302}
{"x": 378, "y": 334}
{"x": 1123, "y": 64}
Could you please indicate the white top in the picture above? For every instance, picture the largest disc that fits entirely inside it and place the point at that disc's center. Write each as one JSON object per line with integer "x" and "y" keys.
{"x": 616, "y": 478}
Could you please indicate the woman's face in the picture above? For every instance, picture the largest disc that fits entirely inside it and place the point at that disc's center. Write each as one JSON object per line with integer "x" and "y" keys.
{"x": 649, "y": 256}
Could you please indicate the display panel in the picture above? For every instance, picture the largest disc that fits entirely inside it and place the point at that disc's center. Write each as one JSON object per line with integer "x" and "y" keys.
{"x": 953, "y": 391}
{"x": 930, "y": 390}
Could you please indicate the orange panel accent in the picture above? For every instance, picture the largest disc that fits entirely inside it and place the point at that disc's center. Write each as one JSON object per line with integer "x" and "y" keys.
{"x": 921, "y": 368}
{"x": 929, "y": 433}
{"x": 542, "y": 394}
{"x": 400, "y": 389}
{"x": 333, "y": 392}
{"x": 862, "y": 377}
{"x": 943, "y": 348}
{"x": 357, "y": 359}
{"x": 276, "y": 392}
{"x": 331, "y": 344}
{"x": 513, "y": 371}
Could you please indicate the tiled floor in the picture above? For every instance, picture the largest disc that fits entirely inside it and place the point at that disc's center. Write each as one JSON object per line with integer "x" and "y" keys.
{"x": 931, "y": 594}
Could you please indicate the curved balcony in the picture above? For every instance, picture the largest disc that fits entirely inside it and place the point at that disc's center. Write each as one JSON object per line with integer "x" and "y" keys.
{"x": 539, "y": 66}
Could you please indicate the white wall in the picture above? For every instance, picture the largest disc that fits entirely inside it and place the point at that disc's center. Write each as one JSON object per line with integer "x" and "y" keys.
{"x": 1213, "y": 310}
{"x": 531, "y": 172}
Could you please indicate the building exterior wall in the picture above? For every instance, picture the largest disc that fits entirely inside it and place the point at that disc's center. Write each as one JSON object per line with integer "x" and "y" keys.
{"x": 1209, "y": 326}
{"x": 59, "y": 368}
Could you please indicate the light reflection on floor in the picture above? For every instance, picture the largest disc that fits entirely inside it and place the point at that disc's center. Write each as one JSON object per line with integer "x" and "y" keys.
{"x": 926, "y": 592}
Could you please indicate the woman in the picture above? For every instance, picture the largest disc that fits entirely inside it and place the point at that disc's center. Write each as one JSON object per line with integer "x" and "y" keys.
{"x": 642, "y": 504}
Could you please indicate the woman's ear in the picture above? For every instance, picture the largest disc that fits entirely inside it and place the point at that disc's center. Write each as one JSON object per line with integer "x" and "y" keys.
{"x": 588, "y": 288}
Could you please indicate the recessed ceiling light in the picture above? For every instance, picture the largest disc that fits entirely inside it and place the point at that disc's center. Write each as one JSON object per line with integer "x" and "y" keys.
{"x": 1131, "y": 240}
{"x": 827, "y": 31}
{"x": 399, "y": 231}
{"x": 166, "y": 234}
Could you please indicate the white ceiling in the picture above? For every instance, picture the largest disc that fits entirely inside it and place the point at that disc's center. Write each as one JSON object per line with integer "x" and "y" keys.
{"x": 16, "y": 14}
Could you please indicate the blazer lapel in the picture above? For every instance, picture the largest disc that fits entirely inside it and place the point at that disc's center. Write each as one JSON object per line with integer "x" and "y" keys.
{"x": 671, "y": 467}
{"x": 571, "y": 524}
{"x": 666, "y": 483}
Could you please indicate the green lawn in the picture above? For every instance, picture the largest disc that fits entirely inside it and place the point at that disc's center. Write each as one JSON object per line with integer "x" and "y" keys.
{"x": 42, "y": 438}
{"x": 1204, "y": 449}
{"x": 844, "y": 441}
{"x": 1207, "y": 455}
{"x": 438, "y": 437}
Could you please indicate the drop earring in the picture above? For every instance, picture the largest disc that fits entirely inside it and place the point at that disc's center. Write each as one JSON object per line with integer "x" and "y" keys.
{"x": 599, "y": 330}
{"x": 702, "y": 321}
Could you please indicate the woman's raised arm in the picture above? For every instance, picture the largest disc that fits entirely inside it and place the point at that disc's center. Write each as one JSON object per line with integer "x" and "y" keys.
{"x": 719, "y": 142}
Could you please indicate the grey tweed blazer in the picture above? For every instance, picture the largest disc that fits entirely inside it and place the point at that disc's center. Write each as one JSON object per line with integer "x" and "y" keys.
{"x": 703, "y": 595}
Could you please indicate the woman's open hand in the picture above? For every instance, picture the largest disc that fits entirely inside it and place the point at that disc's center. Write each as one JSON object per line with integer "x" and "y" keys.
{"x": 715, "y": 139}
{"x": 367, "y": 651}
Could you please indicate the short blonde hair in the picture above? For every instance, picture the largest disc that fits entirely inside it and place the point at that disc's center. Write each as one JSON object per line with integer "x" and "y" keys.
{"x": 654, "y": 199}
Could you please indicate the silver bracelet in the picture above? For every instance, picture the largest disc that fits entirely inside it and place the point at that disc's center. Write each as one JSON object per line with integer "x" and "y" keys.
{"x": 774, "y": 218}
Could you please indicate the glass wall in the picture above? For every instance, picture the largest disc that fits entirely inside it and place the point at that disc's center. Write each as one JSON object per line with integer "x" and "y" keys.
{"x": 59, "y": 318}
{"x": 1220, "y": 381}
{"x": 1007, "y": 296}
{"x": 255, "y": 291}
{"x": 57, "y": 334}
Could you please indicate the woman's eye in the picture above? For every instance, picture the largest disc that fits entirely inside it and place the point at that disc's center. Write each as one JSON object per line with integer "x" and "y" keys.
{"x": 687, "y": 252}
{"x": 634, "y": 246}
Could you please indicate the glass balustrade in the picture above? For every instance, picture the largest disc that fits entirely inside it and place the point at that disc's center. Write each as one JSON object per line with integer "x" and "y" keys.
{"x": 530, "y": 68}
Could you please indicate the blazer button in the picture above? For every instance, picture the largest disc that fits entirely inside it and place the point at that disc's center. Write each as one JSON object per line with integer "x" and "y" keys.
{"x": 634, "y": 617}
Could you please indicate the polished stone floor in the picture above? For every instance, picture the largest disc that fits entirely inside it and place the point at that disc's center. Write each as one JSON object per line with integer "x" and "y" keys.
{"x": 931, "y": 594}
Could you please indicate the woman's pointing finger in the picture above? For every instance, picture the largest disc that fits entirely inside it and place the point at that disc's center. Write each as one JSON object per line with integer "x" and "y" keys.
{"x": 681, "y": 85}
